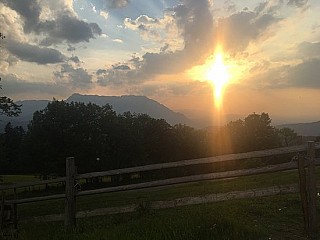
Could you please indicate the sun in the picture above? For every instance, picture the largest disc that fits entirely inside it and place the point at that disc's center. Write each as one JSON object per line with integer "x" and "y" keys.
{"x": 219, "y": 75}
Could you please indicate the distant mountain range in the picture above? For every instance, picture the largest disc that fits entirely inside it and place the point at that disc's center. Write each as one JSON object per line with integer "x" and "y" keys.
{"x": 304, "y": 129}
{"x": 121, "y": 104}
{"x": 136, "y": 104}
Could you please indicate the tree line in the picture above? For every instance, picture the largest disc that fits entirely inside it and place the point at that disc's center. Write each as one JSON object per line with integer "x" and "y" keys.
{"x": 100, "y": 139}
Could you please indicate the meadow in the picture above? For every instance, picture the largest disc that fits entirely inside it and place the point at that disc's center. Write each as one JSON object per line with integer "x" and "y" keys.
{"x": 275, "y": 217}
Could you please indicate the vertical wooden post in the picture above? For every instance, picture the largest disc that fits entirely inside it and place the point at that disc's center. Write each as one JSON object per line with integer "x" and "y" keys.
{"x": 15, "y": 210}
{"x": 303, "y": 191}
{"x": 312, "y": 190}
{"x": 70, "y": 200}
{"x": 2, "y": 210}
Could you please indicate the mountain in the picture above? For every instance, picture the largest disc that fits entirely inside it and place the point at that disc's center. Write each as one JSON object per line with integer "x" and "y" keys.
{"x": 134, "y": 104}
{"x": 121, "y": 104}
{"x": 27, "y": 109}
{"x": 304, "y": 129}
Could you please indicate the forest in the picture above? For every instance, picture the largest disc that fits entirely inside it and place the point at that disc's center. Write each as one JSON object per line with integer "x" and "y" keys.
{"x": 100, "y": 139}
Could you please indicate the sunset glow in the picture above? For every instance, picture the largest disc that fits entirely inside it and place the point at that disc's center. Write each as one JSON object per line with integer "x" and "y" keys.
{"x": 219, "y": 75}
{"x": 201, "y": 58}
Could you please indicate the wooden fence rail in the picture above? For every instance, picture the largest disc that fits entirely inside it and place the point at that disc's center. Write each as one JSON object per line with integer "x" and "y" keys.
{"x": 71, "y": 177}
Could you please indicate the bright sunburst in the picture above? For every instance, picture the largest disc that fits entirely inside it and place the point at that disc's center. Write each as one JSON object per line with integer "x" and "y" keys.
{"x": 218, "y": 74}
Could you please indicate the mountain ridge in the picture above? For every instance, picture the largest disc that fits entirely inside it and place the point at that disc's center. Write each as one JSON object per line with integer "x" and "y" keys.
{"x": 120, "y": 104}
{"x": 304, "y": 129}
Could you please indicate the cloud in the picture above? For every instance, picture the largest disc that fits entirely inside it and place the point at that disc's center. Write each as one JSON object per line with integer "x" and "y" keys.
{"x": 117, "y": 3}
{"x": 77, "y": 77}
{"x": 30, "y": 10}
{"x": 104, "y": 14}
{"x": 75, "y": 59}
{"x": 298, "y": 3}
{"x": 67, "y": 28}
{"x": 14, "y": 85}
{"x": 54, "y": 20}
{"x": 32, "y": 53}
{"x": 121, "y": 67}
{"x": 109, "y": 4}
{"x": 239, "y": 29}
{"x": 147, "y": 26}
{"x": 117, "y": 40}
{"x": 195, "y": 22}
{"x": 309, "y": 50}
{"x": 305, "y": 74}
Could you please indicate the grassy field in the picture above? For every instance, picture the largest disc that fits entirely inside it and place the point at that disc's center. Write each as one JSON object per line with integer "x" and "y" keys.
{"x": 277, "y": 217}
{"x": 169, "y": 193}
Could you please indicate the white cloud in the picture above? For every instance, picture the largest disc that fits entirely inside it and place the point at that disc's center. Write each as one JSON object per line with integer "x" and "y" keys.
{"x": 117, "y": 40}
{"x": 104, "y": 14}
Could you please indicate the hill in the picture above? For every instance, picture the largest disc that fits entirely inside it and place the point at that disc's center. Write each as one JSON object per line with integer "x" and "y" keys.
{"x": 304, "y": 129}
{"x": 121, "y": 104}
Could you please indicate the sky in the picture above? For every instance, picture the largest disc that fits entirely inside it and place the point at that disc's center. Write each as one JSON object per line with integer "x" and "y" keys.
{"x": 163, "y": 49}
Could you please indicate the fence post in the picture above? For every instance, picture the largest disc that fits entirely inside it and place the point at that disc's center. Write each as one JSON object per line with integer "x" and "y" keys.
{"x": 312, "y": 190}
{"x": 303, "y": 191}
{"x": 70, "y": 200}
{"x": 2, "y": 210}
{"x": 15, "y": 211}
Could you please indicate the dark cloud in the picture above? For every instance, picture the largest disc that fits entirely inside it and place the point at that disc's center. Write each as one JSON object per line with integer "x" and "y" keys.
{"x": 121, "y": 67}
{"x": 117, "y": 3}
{"x": 75, "y": 76}
{"x": 305, "y": 74}
{"x": 71, "y": 48}
{"x": 239, "y": 29}
{"x": 309, "y": 50}
{"x": 74, "y": 59}
{"x": 14, "y": 85}
{"x": 116, "y": 77}
{"x": 298, "y": 3}
{"x": 196, "y": 24}
{"x": 31, "y": 53}
{"x": 108, "y": 4}
{"x": 30, "y": 10}
{"x": 65, "y": 26}
{"x": 101, "y": 71}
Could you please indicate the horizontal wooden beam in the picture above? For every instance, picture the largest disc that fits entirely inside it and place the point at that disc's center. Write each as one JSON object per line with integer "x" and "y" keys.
{"x": 172, "y": 181}
{"x": 216, "y": 159}
{"x": 194, "y": 178}
{"x": 192, "y": 200}
{"x": 29, "y": 184}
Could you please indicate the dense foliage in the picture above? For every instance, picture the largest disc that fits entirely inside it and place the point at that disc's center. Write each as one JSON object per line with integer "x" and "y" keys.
{"x": 100, "y": 139}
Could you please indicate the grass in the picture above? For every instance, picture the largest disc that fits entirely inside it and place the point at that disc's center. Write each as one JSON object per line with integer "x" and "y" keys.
{"x": 173, "y": 192}
{"x": 277, "y": 217}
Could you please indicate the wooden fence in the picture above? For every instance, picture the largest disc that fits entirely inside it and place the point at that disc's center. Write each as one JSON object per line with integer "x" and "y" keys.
{"x": 305, "y": 160}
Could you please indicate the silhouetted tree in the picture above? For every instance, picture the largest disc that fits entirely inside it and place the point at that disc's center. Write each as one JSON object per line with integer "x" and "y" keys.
{"x": 288, "y": 136}
{"x": 7, "y": 106}
{"x": 10, "y": 143}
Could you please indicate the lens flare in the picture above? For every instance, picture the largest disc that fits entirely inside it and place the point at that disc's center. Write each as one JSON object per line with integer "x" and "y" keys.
{"x": 218, "y": 74}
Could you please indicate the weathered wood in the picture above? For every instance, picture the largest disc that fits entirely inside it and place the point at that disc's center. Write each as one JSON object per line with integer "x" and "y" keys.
{"x": 15, "y": 210}
{"x": 70, "y": 200}
{"x": 311, "y": 188}
{"x": 27, "y": 184}
{"x": 216, "y": 159}
{"x": 194, "y": 178}
{"x": 209, "y": 198}
{"x": 303, "y": 191}
{"x": 2, "y": 210}
{"x": 37, "y": 199}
